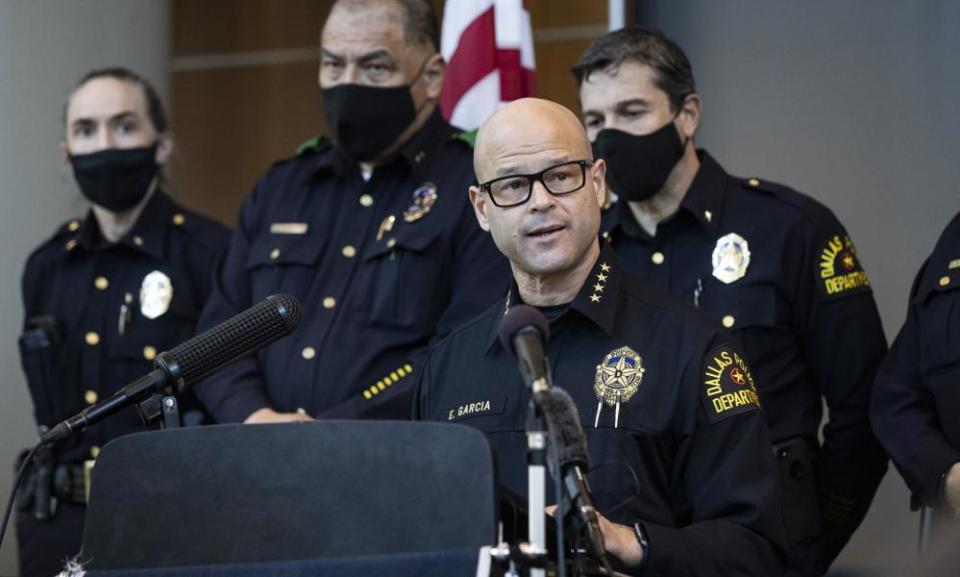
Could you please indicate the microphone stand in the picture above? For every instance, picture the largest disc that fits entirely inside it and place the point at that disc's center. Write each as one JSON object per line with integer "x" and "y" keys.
{"x": 536, "y": 479}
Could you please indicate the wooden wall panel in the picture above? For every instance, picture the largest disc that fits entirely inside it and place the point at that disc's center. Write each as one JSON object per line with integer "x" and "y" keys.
{"x": 224, "y": 26}
{"x": 230, "y": 125}
{"x": 232, "y": 118}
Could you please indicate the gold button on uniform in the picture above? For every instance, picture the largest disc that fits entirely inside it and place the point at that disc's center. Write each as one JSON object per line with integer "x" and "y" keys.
{"x": 128, "y": 298}
{"x": 366, "y": 200}
{"x": 94, "y": 451}
{"x": 728, "y": 321}
{"x": 329, "y": 302}
{"x": 179, "y": 219}
{"x": 275, "y": 254}
{"x": 657, "y": 257}
{"x": 74, "y": 225}
{"x": 308, "y": 353}
{"x": 944, "y": 280}
{"x": 71, "y": 243}
{"x": 138, "y": 241}
{"x": 349, "y": 251}
{"x": 149, "y": 352}
{"x": 391, "y": 243}
{"x": 90, "y": 397}
{"x": 101, "y": 283}
{"x": 753, "y": 182}
{"x": 92, "y": 338}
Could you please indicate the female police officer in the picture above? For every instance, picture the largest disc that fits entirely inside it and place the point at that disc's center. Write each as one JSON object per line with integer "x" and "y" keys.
{"x": 104, "y": 295}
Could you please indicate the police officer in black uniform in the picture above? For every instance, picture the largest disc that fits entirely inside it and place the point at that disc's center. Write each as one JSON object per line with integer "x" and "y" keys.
{"x": 680, "y": 454}
{"x": 772, "y": 265}
{"x": 916, "y": 400}
{"x": 371, "y": 230}
{"x": 103, "y": 296}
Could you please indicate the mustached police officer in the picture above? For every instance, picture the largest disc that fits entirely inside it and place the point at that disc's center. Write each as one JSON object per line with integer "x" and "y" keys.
{"x": 370, "y": 229}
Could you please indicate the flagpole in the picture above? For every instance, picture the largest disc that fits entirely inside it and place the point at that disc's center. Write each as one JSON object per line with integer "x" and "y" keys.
{"x": 617, "y": 14}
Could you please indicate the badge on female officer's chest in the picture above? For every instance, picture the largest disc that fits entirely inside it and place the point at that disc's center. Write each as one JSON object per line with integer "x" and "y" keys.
{"x": 156, "y": 294}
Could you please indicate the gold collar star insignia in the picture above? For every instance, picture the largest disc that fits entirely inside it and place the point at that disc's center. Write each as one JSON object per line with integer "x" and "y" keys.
{"x": 601, "y": 277}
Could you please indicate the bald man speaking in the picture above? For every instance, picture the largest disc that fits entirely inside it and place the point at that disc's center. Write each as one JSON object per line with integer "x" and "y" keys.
{"x": 681, "y": 467}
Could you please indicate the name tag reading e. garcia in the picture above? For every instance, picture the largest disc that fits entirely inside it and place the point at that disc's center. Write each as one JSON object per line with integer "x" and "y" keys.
{"x": 479, "y": 407}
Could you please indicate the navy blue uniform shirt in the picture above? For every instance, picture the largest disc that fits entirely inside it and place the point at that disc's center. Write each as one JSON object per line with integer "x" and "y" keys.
{"x": 96, "y": 315}
{"x": 779, "y": 271}
{"x": 679, "y": 443}
{"x": 108, "y": 308}
{"x": 380, "y": 266}
{"x": 916, "y": 400}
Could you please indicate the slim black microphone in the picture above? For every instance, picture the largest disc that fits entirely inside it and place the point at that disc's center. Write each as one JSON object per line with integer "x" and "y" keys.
{"x": 187, "y": 363}
{"x": 523, "y": 331}
{"x": 573, "y": 459}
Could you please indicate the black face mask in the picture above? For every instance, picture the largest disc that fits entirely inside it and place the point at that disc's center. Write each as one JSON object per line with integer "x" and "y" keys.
{"x": 637, "y": 166}
{"x": 117, "y": 178}
{"x": 365, "y": 120}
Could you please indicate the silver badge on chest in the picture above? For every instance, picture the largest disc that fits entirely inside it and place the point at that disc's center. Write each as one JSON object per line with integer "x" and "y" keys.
{"x": 156, "y": 294}
{"x": 731, "y": 257}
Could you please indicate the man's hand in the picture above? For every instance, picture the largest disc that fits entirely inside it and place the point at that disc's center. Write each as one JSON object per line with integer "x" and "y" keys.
{"x": 951, "y": 488}
{"x": 268, "y": 415}
{"x": 619, "y": 540}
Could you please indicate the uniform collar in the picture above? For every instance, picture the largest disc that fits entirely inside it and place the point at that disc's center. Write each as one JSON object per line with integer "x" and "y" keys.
{"x": 597, "y": 299}
{"x": 148, "y": 235}
{"x": 416, "y": 153}
{"x": 703, "y": 200}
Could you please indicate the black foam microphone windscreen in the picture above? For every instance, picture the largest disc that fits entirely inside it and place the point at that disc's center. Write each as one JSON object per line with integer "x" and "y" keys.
{"x": 238, "y": 336}
{"x": 571, "y": 440}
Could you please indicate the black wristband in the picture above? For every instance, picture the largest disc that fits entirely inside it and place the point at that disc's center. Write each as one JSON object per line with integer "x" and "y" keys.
{"x": 641, "y": 532}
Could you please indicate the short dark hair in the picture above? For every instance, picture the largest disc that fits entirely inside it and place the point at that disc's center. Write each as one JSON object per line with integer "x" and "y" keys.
{"x": 420, "y": 24}
{"x": 648, "y": 46}
{"x": 155, "y": 111}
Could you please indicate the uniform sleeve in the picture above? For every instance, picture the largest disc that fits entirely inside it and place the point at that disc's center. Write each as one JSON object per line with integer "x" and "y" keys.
{"x": 727, "y": 480}
{"x": 232, "y": 394}
{"x": 481, "y": 274}
{"x": 843, "y": 342}
{"x": 905, "y": 418}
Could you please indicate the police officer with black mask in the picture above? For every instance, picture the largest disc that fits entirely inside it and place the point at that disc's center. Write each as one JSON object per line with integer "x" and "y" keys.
{"x": 771, "y": 265}
{"x": 370, "y": 229}
{"x": 103, "y": 296}
{"x": 916, "y": 399}
{"x": 681, "y": 470}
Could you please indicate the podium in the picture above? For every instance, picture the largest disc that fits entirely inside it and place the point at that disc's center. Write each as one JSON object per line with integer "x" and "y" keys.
{"x": 239, "y": 494}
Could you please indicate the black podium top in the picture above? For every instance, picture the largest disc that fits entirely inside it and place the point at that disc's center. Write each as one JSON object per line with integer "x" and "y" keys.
{"x": 251, "y": 493}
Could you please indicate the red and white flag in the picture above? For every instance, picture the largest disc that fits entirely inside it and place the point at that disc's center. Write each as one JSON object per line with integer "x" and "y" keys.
{"x": 488, "y": 47}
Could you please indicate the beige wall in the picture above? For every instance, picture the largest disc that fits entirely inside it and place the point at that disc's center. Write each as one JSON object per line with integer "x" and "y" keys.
{"x": 45, "y": 45}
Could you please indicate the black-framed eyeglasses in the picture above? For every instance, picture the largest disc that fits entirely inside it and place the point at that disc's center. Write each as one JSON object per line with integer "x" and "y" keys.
{"x": 558, "y": 179}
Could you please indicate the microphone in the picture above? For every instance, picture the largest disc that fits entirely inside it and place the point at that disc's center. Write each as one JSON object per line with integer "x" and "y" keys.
{"x": 187, "y": 363}
{"x": 573, "y": 458}
{"x": 523, "y": 330}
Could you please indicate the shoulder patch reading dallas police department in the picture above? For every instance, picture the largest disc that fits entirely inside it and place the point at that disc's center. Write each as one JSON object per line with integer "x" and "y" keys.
{"x": 839, "y": 269}
{"x": 728, "y": 387}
